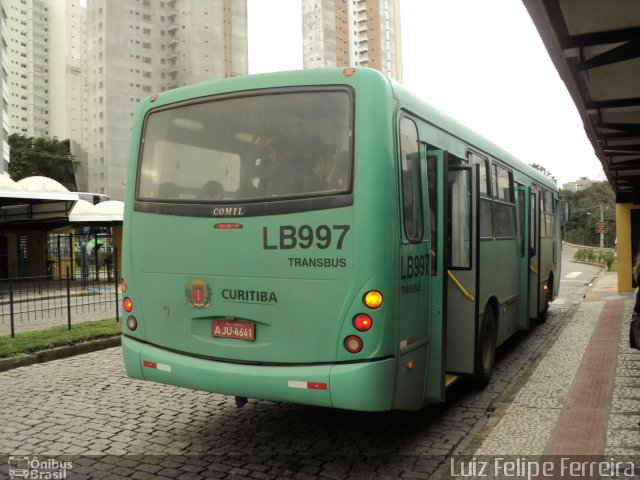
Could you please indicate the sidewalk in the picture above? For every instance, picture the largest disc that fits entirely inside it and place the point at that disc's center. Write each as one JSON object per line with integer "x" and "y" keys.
{"x": 583, "y": 395}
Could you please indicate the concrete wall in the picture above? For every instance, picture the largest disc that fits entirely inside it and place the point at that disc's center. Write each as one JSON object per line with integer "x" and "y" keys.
{"x": 625, "y": 248}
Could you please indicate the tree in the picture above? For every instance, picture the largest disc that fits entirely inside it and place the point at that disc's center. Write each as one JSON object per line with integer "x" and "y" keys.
{"x": 544, "y": 171}
{"x": 43, "y": 156}
{"x": 586, "y": 208}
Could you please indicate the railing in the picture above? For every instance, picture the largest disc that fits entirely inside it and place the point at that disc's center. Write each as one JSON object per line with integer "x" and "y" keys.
{"x": 33, "y": 303}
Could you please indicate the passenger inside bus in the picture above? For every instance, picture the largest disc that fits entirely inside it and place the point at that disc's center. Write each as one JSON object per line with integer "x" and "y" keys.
{"x": 212, "y": 190}
{"x": 319, "y": 167}
{"x": 273, "y": 172}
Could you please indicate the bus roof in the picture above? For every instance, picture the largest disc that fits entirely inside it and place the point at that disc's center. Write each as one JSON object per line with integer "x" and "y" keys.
{"x": 457, "y": 129}
{"x": 337, "y": 75}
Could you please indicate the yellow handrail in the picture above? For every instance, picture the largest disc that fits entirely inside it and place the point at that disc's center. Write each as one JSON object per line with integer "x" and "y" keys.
{"x": 460, "y": 287}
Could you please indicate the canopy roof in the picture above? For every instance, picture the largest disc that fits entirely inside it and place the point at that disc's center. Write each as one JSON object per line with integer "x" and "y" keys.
{"x": 45, "y": 203}
{"x": 595, "y": 46}
{"x": 105, "y": 212}
{"x": 34, "y": 200}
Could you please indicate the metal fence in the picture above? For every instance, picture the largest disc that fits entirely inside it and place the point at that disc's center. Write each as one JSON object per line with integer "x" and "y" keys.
{"x": 34, "y": 303}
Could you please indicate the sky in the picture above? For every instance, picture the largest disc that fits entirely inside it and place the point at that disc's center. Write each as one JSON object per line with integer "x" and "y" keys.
{"x": 482, "y": 62}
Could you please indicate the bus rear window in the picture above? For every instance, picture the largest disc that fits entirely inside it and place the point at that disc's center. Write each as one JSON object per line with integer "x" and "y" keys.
{"x": 248, "y": 148}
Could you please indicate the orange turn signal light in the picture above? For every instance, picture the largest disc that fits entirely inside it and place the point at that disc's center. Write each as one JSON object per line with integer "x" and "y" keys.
{"x": 373, "y": 299}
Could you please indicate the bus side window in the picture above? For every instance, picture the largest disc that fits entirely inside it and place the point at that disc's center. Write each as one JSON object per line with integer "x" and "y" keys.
{"x": 534, "y": 231}
{"x": 411, "y": 180}
{"x": 460, "y": 218}
{"x": 486, "y": 210}
{"x": 483, "y": 164}
{"x": 549, "y": 211}
{"x": 521, "y": 225}
{"x": 504, "y": 205}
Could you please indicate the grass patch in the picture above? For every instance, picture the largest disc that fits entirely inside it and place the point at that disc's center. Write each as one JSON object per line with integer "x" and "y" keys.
{"x": 29, "y": 342}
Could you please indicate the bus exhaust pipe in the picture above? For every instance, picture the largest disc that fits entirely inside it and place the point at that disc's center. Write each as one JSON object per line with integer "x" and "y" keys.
{"x": 241, "y": 401}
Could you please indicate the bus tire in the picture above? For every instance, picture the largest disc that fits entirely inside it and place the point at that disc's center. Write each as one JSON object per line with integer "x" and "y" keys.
{"x": 486, "y": 349}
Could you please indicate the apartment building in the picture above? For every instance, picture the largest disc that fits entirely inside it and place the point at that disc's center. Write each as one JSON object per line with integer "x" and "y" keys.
{"x": 40, "y": 39}
{"x": 4, "y": 92}
{"x": 68, "y": 78}
{"x": 359, "y": 33}
{"x": 27, "y": 61}
{"x": 135, "y": 49}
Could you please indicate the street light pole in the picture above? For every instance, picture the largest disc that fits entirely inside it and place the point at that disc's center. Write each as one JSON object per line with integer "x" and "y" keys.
{"x": 601, "y": 231}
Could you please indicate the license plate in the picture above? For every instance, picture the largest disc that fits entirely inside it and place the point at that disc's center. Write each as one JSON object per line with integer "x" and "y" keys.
{"x": 233, "y": 329}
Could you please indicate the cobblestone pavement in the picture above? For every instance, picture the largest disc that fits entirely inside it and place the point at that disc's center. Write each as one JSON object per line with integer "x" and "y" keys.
{"x": 526, "y": 421}
{"x": 623, "y": 433}
{"x": 85, "y": 410}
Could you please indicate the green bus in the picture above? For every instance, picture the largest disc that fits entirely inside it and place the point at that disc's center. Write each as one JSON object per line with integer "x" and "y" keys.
{"x": 324, "y": 237}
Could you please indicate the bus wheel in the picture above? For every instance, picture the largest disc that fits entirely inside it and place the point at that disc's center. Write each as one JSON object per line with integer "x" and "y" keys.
{"x": 486, "y": 349}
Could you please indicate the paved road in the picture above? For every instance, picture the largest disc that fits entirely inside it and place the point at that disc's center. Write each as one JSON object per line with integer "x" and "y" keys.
{"x": 87, "y": 406}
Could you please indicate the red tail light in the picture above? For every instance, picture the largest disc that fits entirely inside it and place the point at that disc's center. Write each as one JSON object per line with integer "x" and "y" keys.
{"x": 353, "y": 344}
{"x": 228, "y": 226}
{"x": 127, "y": 304}
{"x": 362, "y": 322}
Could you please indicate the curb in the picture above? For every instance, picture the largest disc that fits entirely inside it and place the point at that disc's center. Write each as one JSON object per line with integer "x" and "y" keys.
{"x": 58, "y": 353}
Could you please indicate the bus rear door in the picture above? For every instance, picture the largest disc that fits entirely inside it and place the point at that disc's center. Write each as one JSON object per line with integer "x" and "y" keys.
{"x": 462, "y": 268}
{"x": 524, "y": 239}
{"x": 534, "y": 260}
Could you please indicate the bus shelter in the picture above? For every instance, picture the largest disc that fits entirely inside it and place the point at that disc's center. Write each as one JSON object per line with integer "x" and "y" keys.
{"x": 45, "y": 229}
{"x": 29, "y": 209}
{"x": 594, "y": 46}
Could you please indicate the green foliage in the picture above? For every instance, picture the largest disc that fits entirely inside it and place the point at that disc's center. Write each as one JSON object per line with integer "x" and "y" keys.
{"x": 56, "y": 337}
{"x": 601, "y": 256}
{"x": 42, "y": 156}
{"x": 588, "y": 206}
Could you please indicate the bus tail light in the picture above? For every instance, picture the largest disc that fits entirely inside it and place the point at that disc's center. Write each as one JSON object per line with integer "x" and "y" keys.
{"x": 353, "y": 344}
{"x": 123, "y": 285}
{"x": 373, "y": 299}
{"x": 362, "y": 322}
{"x": 127, "y": 304}
{"x": 132, "y": 323}
{"x": 228, "y": 226}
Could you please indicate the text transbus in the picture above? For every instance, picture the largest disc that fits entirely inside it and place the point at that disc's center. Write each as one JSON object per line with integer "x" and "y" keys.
{"x": 324, "y": 237}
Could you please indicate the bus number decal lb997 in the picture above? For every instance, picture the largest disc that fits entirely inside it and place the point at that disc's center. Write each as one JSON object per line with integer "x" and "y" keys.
{"x": 414, "y": 266}
{"x": 306, "y": 236}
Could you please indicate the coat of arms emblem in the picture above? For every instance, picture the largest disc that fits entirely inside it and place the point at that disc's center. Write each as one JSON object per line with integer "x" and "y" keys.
{"x": 199, "y": 294}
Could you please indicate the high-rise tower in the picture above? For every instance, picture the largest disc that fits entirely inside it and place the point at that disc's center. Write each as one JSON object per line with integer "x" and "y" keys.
{"x": 363, "y": 33}
{"x": 135, "y": 49}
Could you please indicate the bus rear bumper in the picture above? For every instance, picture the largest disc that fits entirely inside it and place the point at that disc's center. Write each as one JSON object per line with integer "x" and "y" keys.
{"x": 356, "y": 386}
